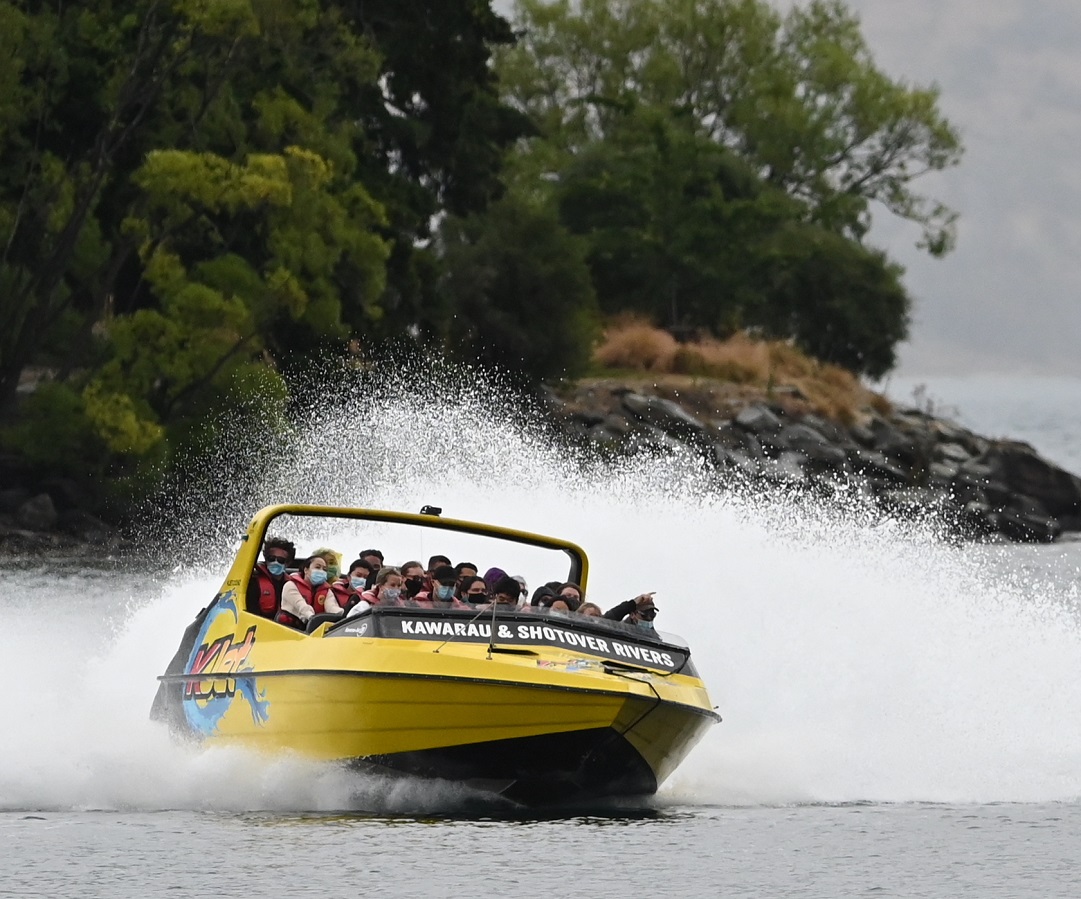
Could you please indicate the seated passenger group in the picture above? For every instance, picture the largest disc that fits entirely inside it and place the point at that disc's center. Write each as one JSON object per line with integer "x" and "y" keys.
{"x": 318, "y": 586}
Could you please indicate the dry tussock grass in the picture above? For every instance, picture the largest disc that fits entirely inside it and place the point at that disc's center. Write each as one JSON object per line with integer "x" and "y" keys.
{"x": 634, "y": 344}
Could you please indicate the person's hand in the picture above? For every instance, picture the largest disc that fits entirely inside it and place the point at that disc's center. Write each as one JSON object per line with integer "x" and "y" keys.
{"x": 643, "y": 600}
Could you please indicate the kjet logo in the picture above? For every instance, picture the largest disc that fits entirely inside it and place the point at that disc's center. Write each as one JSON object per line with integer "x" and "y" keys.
{"x": 223, "y": 665}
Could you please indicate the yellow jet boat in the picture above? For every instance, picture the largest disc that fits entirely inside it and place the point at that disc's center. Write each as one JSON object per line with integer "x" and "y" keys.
{"x": 538, "y": 707}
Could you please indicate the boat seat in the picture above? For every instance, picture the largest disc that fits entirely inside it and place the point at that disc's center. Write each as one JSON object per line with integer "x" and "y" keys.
{"x": 317, "y": 620}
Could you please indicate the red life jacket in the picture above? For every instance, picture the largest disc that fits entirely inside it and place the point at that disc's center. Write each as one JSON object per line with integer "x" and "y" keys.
{"x": 270, "y": 590}
{"x": 314, "y": 597}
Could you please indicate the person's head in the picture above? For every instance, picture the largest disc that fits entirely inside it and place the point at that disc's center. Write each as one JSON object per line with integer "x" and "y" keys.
{"x": 413, "y": 575}
{"x": 444, "y": 583}
{"x": 474, "y": 589}
{"x": 591, "y": 610}
{"x": 373, "y": 557}
{"x": 559, "y": 605}
{"x": 388, "y": 583}
{"x": 523, "y": 590}
{"x": 359, "y": 572}
{"x": 571, "y": 590}
{"x": 492, "y": 576}
{"x": 333, "y": 560}
{"x": 314, "y": 570}
{"x": 542, "y": 596}
{"x": 464, "y": 570}
{"x": 278, "y": 553}
{"x": 435, "y": 562}
{"x": 643, "y": 615}
{"x": 507, "y": 591}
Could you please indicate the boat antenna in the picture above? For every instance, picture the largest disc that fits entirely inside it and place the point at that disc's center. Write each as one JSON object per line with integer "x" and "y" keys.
{"x": 454, "y": 637}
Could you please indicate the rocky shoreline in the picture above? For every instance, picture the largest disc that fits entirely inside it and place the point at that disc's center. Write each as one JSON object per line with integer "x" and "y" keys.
{"x": 904, "y": 461}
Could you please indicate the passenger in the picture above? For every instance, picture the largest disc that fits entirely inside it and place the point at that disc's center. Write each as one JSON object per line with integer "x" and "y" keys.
{"x": 569, "y": 591}
{"x": 415, "y": 579}
{"x": 473, "y": 590}
{"x": 388, "y": 588}
{"x": 507, "y": 592}
{"x": 491, "y": 578}
{"x": 333, "y": 558}
{"x": 264, "y": 596}
{"x": 465, "y": 569}
{"x": 639, "y": 611}
{"x": 307, "y": 593}
{"x": 436, "y": 562}
{"x": 442, "y": 597}
{"x": 590, "y": 610}
{"x": 542, "y": 596}
{"x": 524, "y": 588}
{"x": 373, "y": 557}
{"x": 348, "y": 590}
{"x": 559, "y": 607}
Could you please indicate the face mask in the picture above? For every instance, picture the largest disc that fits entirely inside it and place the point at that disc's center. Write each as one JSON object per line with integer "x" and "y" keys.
{"x": 444, "y": 591}
{"x": 277, "y": 569}
{"x": 645, "y": 625}
{"x": 317, "y": 576}
{"x": 357, "y": 583}
{"x": 390, "y": 594}
{"x": 332, "y": 571}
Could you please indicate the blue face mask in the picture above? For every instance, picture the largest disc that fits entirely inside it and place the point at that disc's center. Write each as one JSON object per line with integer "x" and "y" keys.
{"x": 645, "y": 625}
{"x": 277, "y": 569}
{"x": 444, "y": 591}
{"x": 357, "y": 583}
{"x": 390, "y": 594}
{"x": 317, "y": 576}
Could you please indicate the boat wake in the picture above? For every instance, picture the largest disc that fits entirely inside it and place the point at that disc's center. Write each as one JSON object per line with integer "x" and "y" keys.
{"x": 851, "y": 659}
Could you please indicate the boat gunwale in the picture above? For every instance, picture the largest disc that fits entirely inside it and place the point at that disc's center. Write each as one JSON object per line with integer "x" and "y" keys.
{"x": 409, "y": 675}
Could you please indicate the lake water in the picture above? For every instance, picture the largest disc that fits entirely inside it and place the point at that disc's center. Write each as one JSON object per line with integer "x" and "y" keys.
{"x": 901, "y": 717}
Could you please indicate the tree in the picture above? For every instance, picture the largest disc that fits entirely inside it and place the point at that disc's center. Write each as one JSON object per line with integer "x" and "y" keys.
{"x": 799, "y": 98}
{"x": 520, "y": 290}
{"x": 673, "y": 221}
{"x": 841, "y": 302}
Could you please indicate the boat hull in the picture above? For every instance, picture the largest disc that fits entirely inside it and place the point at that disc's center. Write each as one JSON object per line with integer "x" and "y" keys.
{"x": 537, "y": 723}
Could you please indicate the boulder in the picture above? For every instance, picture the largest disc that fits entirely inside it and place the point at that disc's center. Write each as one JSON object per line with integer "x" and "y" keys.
{"x": 811, "y": 444}
{"x": 12, "y": 498}
{"x": 1021, "y": 471}
{"x": 952, "y": 452}
{"x": 664, "y": 414}
{"x": 759, "y": 420}
{"x": 86, "y": 527}
{"x": 37, "y": 514}
{"x": 873, "y": 464}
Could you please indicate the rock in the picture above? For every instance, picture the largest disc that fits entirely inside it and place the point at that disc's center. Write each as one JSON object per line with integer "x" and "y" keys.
{"x": 892, "y": 442}
{"x": 942, "y": 472}
{"x": 812, "y": 445}
{"x": 86, "y": 527}
{"x": 952, "y": 452}
{"x": 735, "y": 461}
{"x": 1020, "y": 470}
{"x": 787, "y": 470}
{"x": 37, "y": 514}
{"x": 669, "y": 417}
{"x": 759, "y": 420}
{"x": 873, "y": 464}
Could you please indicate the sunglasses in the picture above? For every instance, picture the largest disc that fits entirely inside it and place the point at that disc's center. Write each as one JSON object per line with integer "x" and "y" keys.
{"x": 283, "y": 559}
{"x": 647, "y": 614}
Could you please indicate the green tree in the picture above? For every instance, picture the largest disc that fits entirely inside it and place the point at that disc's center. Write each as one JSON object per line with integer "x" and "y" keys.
{"x": 520, "y": 290}
{"x": 841, "y": 302}
{"x": 673, "y": 221}
{"x": 797, "y": 97}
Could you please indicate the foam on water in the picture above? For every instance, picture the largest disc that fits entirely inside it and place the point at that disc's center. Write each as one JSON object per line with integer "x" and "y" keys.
{"x": 851, "y": 659}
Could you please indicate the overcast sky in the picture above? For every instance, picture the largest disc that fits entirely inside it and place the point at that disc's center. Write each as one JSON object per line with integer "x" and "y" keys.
{"x": 1008, "y": 298}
